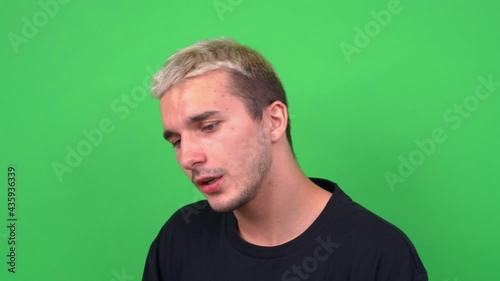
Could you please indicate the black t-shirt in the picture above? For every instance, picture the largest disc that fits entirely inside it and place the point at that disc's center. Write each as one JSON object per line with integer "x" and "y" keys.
{"x": 345, "y": 242}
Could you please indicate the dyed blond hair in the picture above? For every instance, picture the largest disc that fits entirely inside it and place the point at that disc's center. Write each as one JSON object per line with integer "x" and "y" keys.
{"x": 252, "y": 77}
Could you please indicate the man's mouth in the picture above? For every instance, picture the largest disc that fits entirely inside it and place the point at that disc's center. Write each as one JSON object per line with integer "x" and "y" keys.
{"x": 207, "y": 180}
{"x": 211, "y": 181}
{"x": 209, "y": 185}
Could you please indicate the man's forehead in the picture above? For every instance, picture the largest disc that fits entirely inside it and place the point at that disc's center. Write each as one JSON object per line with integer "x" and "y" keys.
{"x": 215, "y": 80}
{"x": 194, "y": 101}
{"x": 196, "y": 91}
{"x": 191, "y": 103}
{"x": 179, "y": 113}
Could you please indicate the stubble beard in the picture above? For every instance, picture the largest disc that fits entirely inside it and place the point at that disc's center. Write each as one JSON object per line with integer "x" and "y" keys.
{"x": 258, "y": 169}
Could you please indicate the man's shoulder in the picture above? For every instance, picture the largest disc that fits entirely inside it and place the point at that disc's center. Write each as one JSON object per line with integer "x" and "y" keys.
{"x": 190, "y": 236}
{"x": 367, "y": 238}
{"x": 377, "y": 232}
{"x": 347, "y": 217}
{"x": 367, "y": 234}
{"x": 361, "y": 223}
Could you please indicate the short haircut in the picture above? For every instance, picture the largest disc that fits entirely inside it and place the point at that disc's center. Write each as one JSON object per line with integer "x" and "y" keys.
{"x": 251, "y": 77}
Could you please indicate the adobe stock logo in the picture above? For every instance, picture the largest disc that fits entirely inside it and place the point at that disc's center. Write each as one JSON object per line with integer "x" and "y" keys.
{"x": 454, "y": 116}
{"x": 223, "y": 6}
{"x": 311, "y": 263}
{"x": 372, "y": 29}
{"x": 193, "y": 209}
{"x": 123, "y": 276}
{"x": 122, "y": 108}
{"x": 31, "y": 26}
{"x": 199, "y": 203}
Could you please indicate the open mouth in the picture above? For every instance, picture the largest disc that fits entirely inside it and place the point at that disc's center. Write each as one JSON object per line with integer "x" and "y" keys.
{"x": 210, "y": 181}
{"x": 209, "y": 185}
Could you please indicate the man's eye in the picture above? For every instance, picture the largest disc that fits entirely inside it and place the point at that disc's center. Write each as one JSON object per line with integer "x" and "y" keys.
{"x": 210, "y": 127}
{"x": 176, "y": 143}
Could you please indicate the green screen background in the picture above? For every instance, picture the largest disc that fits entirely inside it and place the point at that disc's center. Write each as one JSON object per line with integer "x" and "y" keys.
{"x": 356, "y": 117}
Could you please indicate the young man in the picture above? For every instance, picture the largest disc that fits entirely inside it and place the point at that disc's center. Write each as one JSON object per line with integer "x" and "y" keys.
{"x": 224, "y": 110}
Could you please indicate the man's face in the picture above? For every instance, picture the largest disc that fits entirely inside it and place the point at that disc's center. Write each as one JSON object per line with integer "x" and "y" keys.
{"x": 219, "y": 146}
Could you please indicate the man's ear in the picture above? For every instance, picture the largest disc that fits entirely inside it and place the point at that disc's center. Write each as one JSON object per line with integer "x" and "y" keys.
{"x": 277, "y": 113}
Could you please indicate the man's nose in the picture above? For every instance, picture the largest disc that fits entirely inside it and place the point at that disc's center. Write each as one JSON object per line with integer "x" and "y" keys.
{"x": 191, "y": 154}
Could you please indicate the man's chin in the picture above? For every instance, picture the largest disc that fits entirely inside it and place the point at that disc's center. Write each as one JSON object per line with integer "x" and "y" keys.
{"x": 222, "y": 206}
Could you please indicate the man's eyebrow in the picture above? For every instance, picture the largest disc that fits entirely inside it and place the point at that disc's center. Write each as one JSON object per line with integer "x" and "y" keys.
{"x": 202, "y": 116}
{"x": 193, "y": 119}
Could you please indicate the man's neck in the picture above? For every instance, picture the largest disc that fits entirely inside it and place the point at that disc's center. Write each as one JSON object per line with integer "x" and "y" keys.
{"x": 285, "y": 206}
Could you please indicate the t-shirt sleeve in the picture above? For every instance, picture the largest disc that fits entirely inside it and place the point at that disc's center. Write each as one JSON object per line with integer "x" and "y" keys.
{"x": 182, "y": 239}
{"x": 160, "y": 266}
{"x": 400, "y": 262}
{"x": 152, "y": 270}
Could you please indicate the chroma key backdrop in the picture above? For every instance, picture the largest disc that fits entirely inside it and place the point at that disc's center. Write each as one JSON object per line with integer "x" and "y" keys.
{"x": 397, "y": 101}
